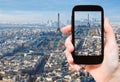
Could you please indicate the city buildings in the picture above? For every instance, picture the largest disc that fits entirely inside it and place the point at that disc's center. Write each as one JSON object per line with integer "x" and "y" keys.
{"x": 87, "y": 37}
{"x": 35, "y": 53}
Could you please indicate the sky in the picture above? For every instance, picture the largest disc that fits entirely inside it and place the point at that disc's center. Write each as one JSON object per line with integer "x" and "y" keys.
{"x": 37, "y": 11}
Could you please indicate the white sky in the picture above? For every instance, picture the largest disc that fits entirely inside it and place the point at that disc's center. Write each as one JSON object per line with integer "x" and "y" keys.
{"x": 31, "y": 16}
{"x": 84, "y": 15}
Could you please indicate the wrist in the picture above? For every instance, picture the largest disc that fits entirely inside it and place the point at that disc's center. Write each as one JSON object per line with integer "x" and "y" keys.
{"x": 115, "y": 76}
{"x": 104, "y": 78}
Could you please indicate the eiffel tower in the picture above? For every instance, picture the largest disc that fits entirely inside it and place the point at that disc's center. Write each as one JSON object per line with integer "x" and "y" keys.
{"x": 58, "y": 32}
{"x": 58, "y": 29}
{"x": 88, "y": 22}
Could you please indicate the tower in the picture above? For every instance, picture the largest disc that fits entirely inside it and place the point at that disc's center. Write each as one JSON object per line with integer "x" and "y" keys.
{"x": 88, "y": 21}
{"x": 58, "y": 32}
{"x": 58, "y": 29}
{"x": 58, "y": 20}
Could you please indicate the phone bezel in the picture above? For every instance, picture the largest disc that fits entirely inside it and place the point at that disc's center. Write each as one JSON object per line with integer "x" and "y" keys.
{"x": 88, "y": 59}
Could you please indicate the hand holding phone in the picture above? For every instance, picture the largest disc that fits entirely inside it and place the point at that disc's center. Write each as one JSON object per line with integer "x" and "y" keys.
{"x": 88, "y": 34}
{"x": 109, "y": 67}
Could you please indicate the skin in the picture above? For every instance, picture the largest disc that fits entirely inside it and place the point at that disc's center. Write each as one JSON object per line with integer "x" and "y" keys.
{"x": 107, "y": 71}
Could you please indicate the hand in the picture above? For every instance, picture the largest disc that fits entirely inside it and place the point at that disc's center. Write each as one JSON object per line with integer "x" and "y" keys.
{"x": 101, "y": 72}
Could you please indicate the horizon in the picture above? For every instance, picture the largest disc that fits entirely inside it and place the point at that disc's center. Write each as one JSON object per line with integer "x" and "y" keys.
{"x": 35, "y": 11}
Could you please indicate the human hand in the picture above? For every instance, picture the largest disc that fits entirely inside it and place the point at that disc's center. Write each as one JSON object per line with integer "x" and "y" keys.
{"x": 101, "y": 72}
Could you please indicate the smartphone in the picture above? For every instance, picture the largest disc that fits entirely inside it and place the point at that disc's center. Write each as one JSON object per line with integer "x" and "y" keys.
{"x": 88, "y": 34}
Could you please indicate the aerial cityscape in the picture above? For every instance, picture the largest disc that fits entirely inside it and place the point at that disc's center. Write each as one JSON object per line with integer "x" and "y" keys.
{"x": 35, "y": 53}
{"x": 32, "y": 46}
{"x": 87, "y": 36}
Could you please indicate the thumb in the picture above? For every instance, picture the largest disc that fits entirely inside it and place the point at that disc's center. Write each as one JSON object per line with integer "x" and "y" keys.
{"x": 109, "y": 32}
{"x": 111, "y": 47}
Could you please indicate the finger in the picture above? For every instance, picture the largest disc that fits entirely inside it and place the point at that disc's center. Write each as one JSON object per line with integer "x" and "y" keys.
{"x": 109, "y": 32}
{"x": 76, "y": 67}
{"x": 68, "y": 44}
{"x": 71, "y": 61}
{"x": 69, "y": 57}
{"x": 66, "y": 29}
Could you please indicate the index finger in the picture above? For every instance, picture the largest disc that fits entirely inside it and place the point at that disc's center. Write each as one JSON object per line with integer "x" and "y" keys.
{"x": 66, "y": 29}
